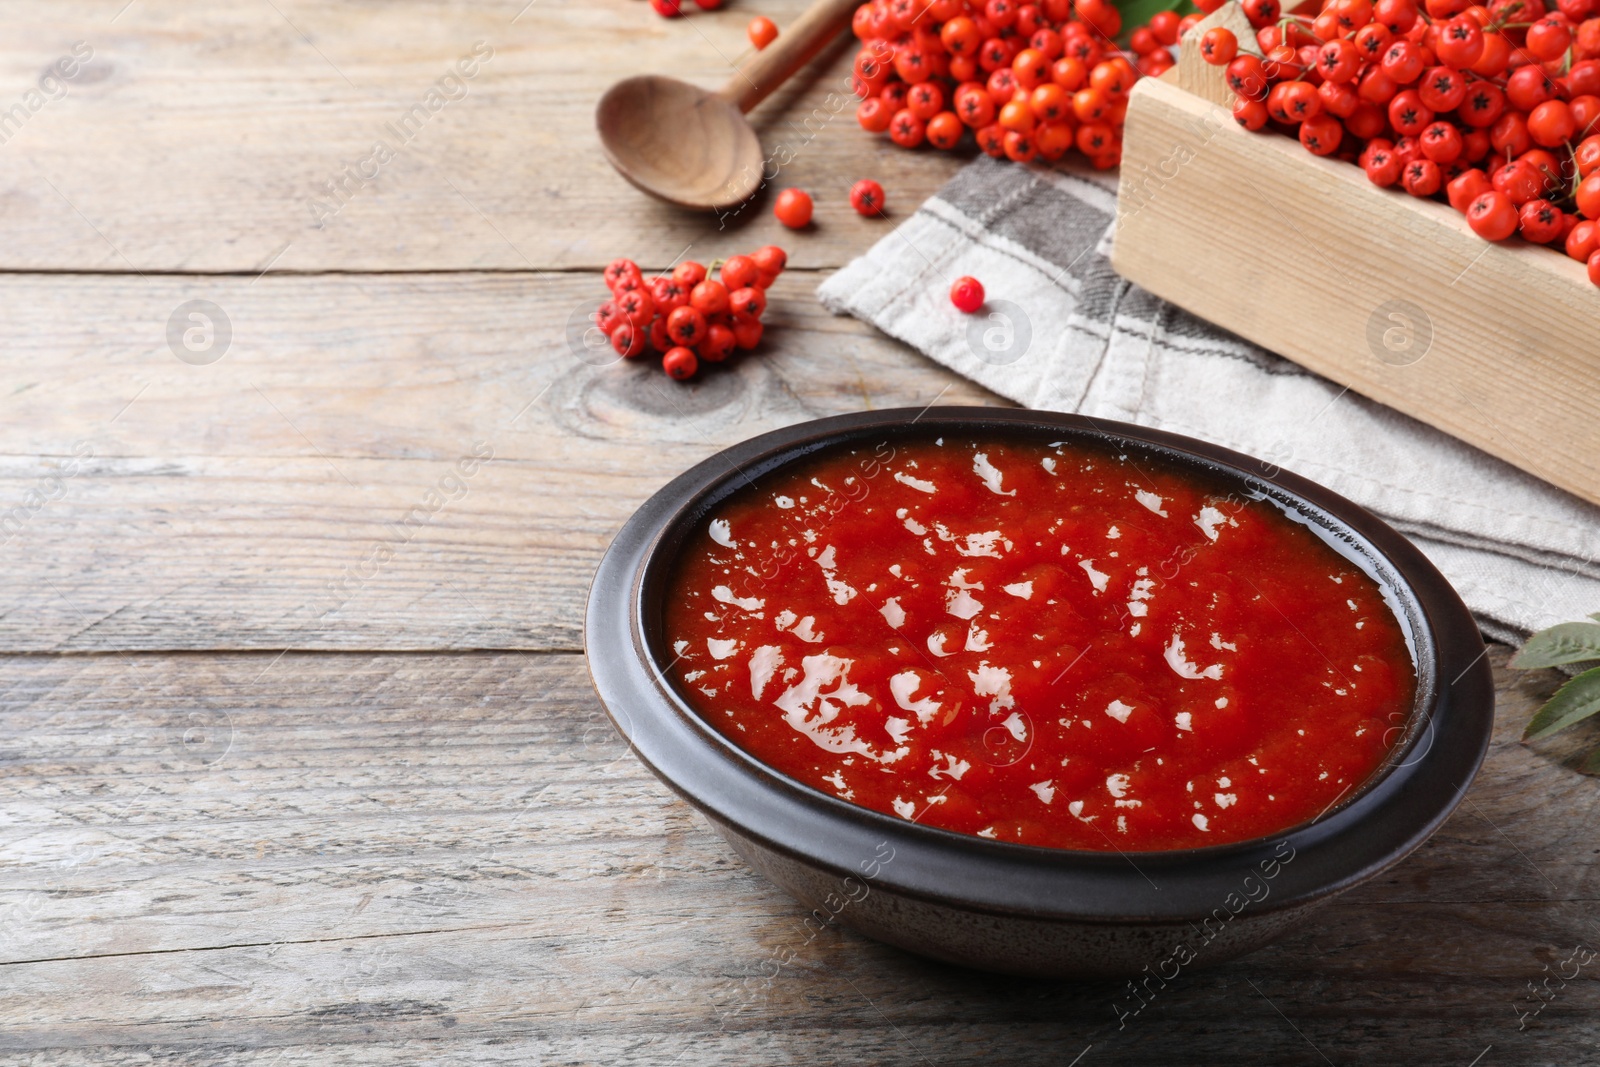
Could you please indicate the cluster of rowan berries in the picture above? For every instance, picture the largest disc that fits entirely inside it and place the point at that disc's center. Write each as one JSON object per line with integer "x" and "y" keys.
{"x": 685, "y": 315}
{"x": 1495, "y": 108}
{"x": 1030, "y": 80}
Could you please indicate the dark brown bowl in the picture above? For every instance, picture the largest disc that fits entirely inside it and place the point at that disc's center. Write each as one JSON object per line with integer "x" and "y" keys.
{"x": 1016, "y": 908}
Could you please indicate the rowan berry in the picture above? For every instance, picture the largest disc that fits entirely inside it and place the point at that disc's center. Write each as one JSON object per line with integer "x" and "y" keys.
{"x": 749, "y": 302}
{"x": 874, "y": 114}
{"x": 680, "y": 363}
{"x": 1466, "y": 187}
{"x": 1540, "y": 221}
{"x": 709, "y": 298}
{"x": 686, "y": 325}
{"x": 967, "y": 294}
{"x": 866, "y": 196}
{"x": 718, "y": 343}
{"x": 1492, "y": 216}
{"x": 762, "y": 31}
{"x": 770, "y": 259}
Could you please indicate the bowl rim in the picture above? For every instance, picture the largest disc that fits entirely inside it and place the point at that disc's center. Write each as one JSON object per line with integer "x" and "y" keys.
{"x": 1373, "y": 826}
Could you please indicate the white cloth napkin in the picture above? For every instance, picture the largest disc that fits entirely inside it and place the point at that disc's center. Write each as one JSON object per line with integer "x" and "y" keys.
{"x": 1063, "y": 332}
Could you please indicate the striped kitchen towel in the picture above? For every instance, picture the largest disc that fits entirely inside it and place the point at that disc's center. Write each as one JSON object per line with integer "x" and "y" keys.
{"x": 1062, "y": 331}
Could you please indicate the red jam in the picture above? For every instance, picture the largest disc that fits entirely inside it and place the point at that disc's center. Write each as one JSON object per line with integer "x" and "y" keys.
{"x": 1042, "y": 643}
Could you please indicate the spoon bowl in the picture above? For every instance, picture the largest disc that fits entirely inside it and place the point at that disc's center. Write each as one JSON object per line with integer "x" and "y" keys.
{"x": 693, "y": 147}
{"x": 689, "y": 146}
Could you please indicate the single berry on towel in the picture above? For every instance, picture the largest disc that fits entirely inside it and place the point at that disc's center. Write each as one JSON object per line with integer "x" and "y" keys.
{"x": 967, "y": 294}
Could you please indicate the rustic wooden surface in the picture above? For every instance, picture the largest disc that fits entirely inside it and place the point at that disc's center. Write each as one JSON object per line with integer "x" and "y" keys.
{"x": 247, "y": 110}
{"x": 341, "y": 402}
{"x": 249, "y": 819}
{"x": 384, "y": 858}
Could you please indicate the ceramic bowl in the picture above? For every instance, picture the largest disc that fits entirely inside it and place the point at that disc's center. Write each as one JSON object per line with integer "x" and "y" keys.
{"x": 1014, "y": 908}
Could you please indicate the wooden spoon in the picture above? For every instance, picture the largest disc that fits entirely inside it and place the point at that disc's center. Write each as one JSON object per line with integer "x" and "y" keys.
{"x": 693, "y": 147}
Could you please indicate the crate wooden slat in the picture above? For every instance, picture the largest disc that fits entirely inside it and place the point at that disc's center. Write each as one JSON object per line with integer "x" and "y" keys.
{"x": 1395, "y": 297}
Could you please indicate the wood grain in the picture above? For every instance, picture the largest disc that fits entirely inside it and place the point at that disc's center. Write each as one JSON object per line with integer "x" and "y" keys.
{"x": 268, "y": 499}
{"x": 1490, "y": 343}
{"x": 372, "y": 859}
{"x": 248, "y": 112}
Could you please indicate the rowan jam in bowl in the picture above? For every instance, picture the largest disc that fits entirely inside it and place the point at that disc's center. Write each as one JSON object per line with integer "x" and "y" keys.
{"x": 1038, "y": 693}
{"x": 1058, "y": 643}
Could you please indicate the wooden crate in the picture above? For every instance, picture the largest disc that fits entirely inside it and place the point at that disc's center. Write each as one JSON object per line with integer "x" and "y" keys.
{"x": 1395, "y": 297}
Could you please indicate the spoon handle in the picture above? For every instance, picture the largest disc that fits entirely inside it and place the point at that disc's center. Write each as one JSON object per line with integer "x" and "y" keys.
{"x": 795, "y": 46}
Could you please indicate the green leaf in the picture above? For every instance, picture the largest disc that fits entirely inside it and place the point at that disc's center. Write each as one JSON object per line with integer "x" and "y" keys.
{"x": 1573, "y": 702}
{"x": 1567, "y": 642}
{"x": 1591, "y": 764}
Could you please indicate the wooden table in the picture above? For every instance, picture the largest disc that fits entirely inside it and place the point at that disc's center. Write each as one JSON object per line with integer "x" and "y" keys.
{"x": 301, "y": 761}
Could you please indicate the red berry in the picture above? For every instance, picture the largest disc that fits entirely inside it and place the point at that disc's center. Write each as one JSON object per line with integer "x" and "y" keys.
{"x": 689, "y": 274}
{"x": 1366, "y": 121}
{"x": 1441, "y": 88}
{"x": 1466, "y": 187}
{"x": 709, "y": 297}
{"x": 967, "y": 294}
{"x": 718, "y": 345}
{"x": 1594, "y": 268}
{"x": 906, "y": 130}
{"x": 1245, "y": 76}
{"x": 1549, "y": 38}
{"x": 1519, "y": 181}
{"x": 1403, "y": 62}
{"x": 637, "y": 306}
{"x": 1020, "y": 147}
{"x": 667, "y": 9}
{"x": 1482, "y": 105}
{"x": 866, "y": 196}
{"x": 793, "y": 208}
{"x": 1251, "y": 114}
{"x": 658, "y": 337}
{"x": 925, "y": 100}
{"x": 1219, "y": 46}
{"x": 1261, "y": 12}
{"x": 680, "y": 363}
{"x": 1551, "y": 123}
{"x": 770, "y": 259}
{"x": 874, "y": 114}
{"x": 1460, "y": 43}
{"x": 1338, "y": 61}
{"x": 749, "y": 301}
{"x": 686, "y": 326}
{"x": 1540, "y": 221}
{"x": 1321, "y": 134}
{"x": 1583, "y": 240}
{"x": 618, "y": 269}
{"x": 975, "y": 107}
{"x": 747, "y": 332}
{"x": 1407, "y": 113}
{"x": 1588, "y": 196}
{"x": 1421, "y": 177}
{"x": 606, "y": 316}
{"x": 1381, "y": 163}
{"x": 738, "y": 272}
{"x": 629, "y": 340}
{"x": 1492, "y": 216}
{"x": 1399, "y": 16}
{"x": 668, "y": 293}
{"x": 944, "y": 130}
{"x": 1528, "y": 87}
{"x": 763, "y": 31}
